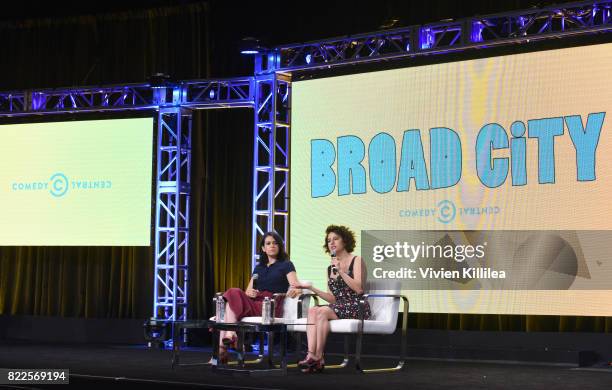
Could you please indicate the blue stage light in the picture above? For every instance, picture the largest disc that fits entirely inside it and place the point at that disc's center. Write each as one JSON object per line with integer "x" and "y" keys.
{"x": 477, "y": 28}
{"x": 211, "y": 94}
{"x": 308, "y": 58}
{"x": 251, "y": 46}
{"x": 427, "y": 38}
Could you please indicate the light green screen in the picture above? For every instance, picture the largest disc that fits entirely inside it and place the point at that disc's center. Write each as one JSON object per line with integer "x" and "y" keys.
{"x": 76, "y": 183}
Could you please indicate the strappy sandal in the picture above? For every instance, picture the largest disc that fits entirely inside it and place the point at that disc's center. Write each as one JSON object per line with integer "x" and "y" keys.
{"x": 314, "y": 366}
{"x": 230, "y": 342}
{"x": 307, "y": 362}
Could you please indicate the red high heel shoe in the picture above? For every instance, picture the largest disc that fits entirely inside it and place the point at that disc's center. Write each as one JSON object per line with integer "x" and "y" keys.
{"x": 307, "y": 362}
{"x": 230, "y": 342}
{"x": 312, "y": 365}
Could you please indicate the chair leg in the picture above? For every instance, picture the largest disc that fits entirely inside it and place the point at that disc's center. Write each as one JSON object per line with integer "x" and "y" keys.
{"x": 269, "y": 357}
{"x": 260, "y": 354}
{"x": 345, "y": 358}
{"x": 347, "y": 340}
{"x": 298, "y": 350}
{"x": 402, "y": 355}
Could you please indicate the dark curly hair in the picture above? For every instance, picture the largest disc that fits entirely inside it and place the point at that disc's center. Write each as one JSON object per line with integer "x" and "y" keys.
{"x": 282, "y": 255}
{"x": 347, "y": 235}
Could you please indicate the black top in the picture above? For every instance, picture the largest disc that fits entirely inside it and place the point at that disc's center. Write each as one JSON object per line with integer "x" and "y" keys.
{"x": 273, "y": 277}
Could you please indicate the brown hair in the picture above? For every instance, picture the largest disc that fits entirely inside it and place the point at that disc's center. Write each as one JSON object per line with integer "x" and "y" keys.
{"x": 347, "y": 235}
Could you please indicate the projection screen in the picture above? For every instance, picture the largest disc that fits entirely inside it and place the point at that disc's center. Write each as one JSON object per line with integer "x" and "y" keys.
{"x": 78, "y": 183}
{"x": 507, "y": 160}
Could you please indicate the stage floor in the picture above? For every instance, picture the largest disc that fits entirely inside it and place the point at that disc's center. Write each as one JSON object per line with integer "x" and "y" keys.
{"x": 137, "y": 366}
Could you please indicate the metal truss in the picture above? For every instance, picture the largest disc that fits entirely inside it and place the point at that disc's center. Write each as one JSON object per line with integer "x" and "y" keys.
{"x": 271, "y": 158}
{"x": 195, "y": 94}
{"x": 451, "y": 35}
{"x": 172, "y": 213}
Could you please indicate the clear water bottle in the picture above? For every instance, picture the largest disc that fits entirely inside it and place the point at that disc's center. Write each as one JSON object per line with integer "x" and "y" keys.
{"x": 266, "y": 312}
{"x": 219, "y": 308}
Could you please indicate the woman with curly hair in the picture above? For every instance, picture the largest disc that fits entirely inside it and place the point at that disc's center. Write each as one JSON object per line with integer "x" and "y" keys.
{"x": 345, "y": 283}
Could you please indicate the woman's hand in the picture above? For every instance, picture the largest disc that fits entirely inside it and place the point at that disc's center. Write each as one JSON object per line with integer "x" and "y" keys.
{"x": 294, "y": 292}
{"x": 251, "y": 292}
{"x": 335, "y": 264}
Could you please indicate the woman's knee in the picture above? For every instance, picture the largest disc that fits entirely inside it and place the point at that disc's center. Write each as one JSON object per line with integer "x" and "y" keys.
{"x": 312, "y": 311}
{"x": 322, "y": 315}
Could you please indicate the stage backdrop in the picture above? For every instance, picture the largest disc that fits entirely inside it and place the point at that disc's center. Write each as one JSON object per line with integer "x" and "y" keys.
{"x": 77, "y": 183}
{"x": 512, "y": 151}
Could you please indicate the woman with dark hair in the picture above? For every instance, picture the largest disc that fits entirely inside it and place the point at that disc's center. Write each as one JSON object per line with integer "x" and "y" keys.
{"x": 345, "y": 283}
{"x": 275, "y": 274}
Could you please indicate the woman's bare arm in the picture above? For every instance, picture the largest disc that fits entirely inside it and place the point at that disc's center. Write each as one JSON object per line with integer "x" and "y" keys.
{"x": 250, "y": 292}
{"x": 294, "y": 284}
{"x": 326, "y": 295}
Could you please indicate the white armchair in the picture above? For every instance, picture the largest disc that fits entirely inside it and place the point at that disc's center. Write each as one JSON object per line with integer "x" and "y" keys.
{"x": 384, "y": 299}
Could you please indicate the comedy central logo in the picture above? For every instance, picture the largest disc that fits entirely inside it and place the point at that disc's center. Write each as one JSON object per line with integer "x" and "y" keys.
{"x": 59, "y": 184}
{"x": 446, "y": 211}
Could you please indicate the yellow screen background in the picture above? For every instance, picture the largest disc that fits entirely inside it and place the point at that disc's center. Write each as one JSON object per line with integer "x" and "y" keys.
{"x": 118, "y": 150}
{"x": 463, "y": 96}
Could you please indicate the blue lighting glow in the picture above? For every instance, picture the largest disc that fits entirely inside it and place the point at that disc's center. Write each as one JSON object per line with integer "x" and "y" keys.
{"x": 211, "y": 94}
{"x": 308, "y": 58}
{"x": 477, "y": 28}
{"x": 427, "y": 38}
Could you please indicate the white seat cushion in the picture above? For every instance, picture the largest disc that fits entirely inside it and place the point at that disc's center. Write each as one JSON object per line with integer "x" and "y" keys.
{"x": 257, "y": 320}
{"x": 349, "y": 326}
{"x": 384, "y": 312}
{"x": 290, "y": 309}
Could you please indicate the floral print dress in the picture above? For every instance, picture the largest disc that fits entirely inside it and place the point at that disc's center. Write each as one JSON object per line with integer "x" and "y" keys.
{"x": 347, "y": 300}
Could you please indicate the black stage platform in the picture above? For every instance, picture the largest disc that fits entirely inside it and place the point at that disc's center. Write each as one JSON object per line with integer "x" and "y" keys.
{"x": 139, "y": 367}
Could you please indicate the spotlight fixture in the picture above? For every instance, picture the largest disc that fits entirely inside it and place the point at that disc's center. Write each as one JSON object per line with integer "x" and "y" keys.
{"x": 159, "y": 80}
{"x": 251, "y": 46}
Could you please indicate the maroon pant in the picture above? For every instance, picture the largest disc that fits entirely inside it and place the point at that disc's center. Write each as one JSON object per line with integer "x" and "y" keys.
{"x": 244, "y": 306}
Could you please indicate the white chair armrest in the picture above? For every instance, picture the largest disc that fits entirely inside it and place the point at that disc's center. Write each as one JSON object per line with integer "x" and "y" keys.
{"x": 367, "y": 296}
{"x": 305, "y": 293}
